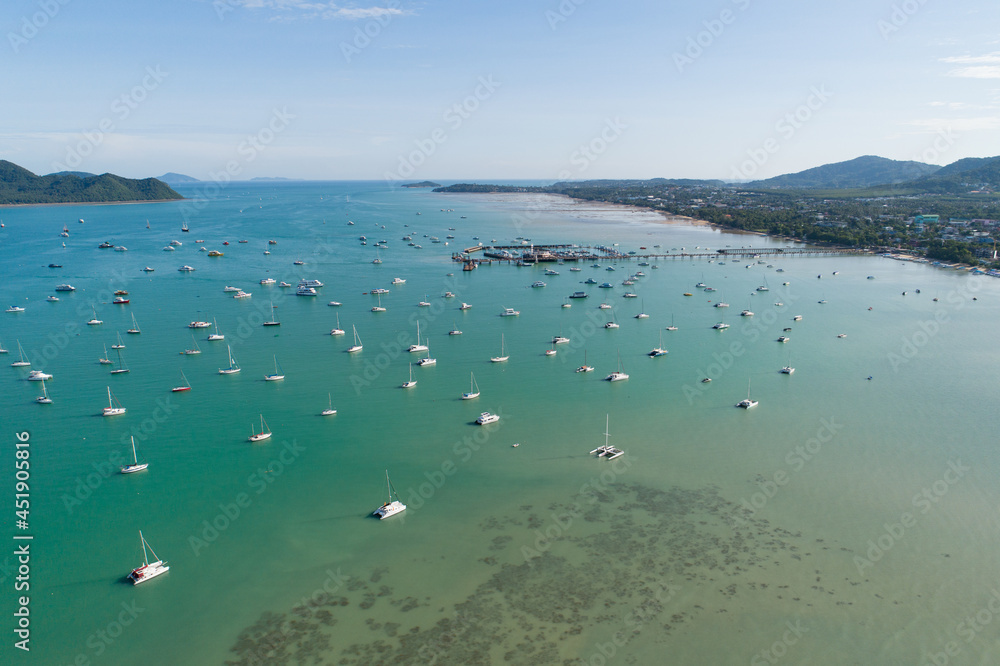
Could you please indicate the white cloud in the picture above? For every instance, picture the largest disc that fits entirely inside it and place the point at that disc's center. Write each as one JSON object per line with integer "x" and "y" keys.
{"x": 292, "y": 9}
{"x": 989, "y": 58}
{"x": 982, "y": 72}
{"x": 956, "y": 124}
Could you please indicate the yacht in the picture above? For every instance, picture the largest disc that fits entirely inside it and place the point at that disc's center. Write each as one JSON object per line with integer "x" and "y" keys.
{"x": 242, "y": 294}
{"x": 427, "y": 360}
{"x": 787, "y": 370}
{"x": 473, "y": 389}
{"x": 559, "y": 340}
{"x": 217, "y": 335}
{"x": 392, "y": 506}
{"x": 148, "y": 570}
{"x": 783, "y": 338}
{"x": 52, "y": 299}
{"x": 747, "y": 403}
{"x": 797, "y": 318}
{"x": 315, "y": 284}
{"x": 228, "y": 289}
{"x": 721, "y": 326}
{"x": 357, "y": 342}
{"x": 114, "y": 407}
{"x": 465, "y": 306}
{"x": 398, "y": 281}
{"x": 503, "y": 353}
{"x": 93, "y": 322}
{"x": 510, "y": 312}
{"x": 605, "y": 306}
{"x": 417, "y": 347}
{"x": 277, "y": 376}
{"x": 135, "y": 465}
{"x": 619, "y": 374}
{"x": 44, "y": 398}
{"x": 338, "y": 330}
{"x": 578, "y": 294}
{"x": 537, "y": 284}
{"x": 305, "y": 291}
{"x": 262, "y": 435}
{"x": 487, "y": 418}
{"x": 65, "y": 287}
{"x": 15, "y": 308}
{"x": 329, "y": 411}
{"x": 410, "y": 383}
{"x": 233, "y": 366}
{"x": 200, "y": 324}
{"x": 185, "y": 269}
{"x": 658, "y": 350}
{"x": 585, "y": 367}
{"x": 38, "y": 376}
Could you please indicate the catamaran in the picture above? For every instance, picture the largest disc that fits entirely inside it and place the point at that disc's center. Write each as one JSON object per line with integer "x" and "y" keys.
{"x": 642, "y": 314}
{"x": 22, "y": 363}
{"x": 503, "y": 354}
{"x": 329, "y": 411}
{"x": 427, "y": 360}
{"x": 148, "y": 570}
{"x": 607, "y": 450}
{"x": 417, "y": 347}
{"x": 277, "y": 376}
{"x": 186, "y": 386}
{"x": 473, "y": 389}
{"x": 233, "y": 367}
{"x": 619, "y": 374}
{"x": 135, "y": 465}
{"x": 747, "y": 403}
{"x": 44, "y": 398}
{"x": 378, "y": 308}
{"x": 671, "y": 327}
{"x": 217, "y": 335}
{"x": 357, "y": 341}
{"x": 411, "y": 382}
{"x": 486, "y": 418}
{"x": 585, "y": 367}
{"x": 658, "y": 350}
{"x": 265, "y": 432}
{"x": 114, "y": 407}
{"x": 392, "y": 506}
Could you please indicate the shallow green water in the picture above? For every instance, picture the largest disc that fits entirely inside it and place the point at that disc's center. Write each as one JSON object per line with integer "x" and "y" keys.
{"x": 711, "y": 534}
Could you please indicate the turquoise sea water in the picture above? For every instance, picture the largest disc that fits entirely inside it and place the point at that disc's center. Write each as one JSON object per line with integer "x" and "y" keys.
{"x": 795, "y": 531}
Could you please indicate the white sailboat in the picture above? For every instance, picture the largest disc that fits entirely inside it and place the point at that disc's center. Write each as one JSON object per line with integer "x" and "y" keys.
{"x": 265, "y": 432}
{"x": 148, "y": 570}
{"x": 417, "y": 347}
{"x": 338, "y": 330}
{"x": 217, "y": 335}
{"x": 104, "y": 360}
{"x": 233, "y": 367}
{"x": 22, "y": 363}
{"x": 473, "y": 389}
{"x": 619, "y": 374}
{"x": 95, "y": 321}
{"x": 2, "y": 350}
{"x": 195, "y": 349}
{"x": 607, "y": 450}
{"x": 135, "y": 327}
{"x": 503, "y": 353}
{"x": 378, "y": 308}
{"x": 186, "y": 386}
{"x": 114, "y": 407}
{"x": 671, "y": 327}
{"x": 120, "y": 345}
{"x": 135, "y": 465}
{"x": 747, "y": 403}
{"x": 411, "y": 382}
{"x": 658, "y": 350}
{"x": 642, "y": 314}
{"x": 277, "y": 376}
{"x": 122, "y": 368}
{"x": 44, "y": 398}
{"x": 274, "y": 319}
{"x": 392, "y": 506}
{"x": 329, "y": 411}
{"x": 585, "y": 367}
{"x": 357, "y": 341}
{"x": 427, "y": 360}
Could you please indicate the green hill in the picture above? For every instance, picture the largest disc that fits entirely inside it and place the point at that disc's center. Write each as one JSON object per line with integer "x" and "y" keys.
{"x": 966, "y": 175}
{"x": 20, "y": 186}
{"x": 861, "y": 172}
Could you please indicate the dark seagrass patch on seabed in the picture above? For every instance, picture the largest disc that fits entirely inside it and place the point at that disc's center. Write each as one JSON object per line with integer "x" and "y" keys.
{"x": 632, "y": 542}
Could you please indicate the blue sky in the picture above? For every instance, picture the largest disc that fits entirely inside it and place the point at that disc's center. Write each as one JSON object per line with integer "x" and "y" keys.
{"x": 559, "y": 89}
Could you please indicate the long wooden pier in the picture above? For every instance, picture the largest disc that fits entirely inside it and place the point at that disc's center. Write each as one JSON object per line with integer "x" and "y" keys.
{"x": 566, "y": 253}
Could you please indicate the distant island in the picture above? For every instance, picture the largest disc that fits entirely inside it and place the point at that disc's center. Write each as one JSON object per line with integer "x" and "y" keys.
{"x": 426, "y": 183}
{"x": 20, "y": 186}
{"x": 171, "y": 178}
{"x": 949, "y": 213}
{"x": 269, "y": 178}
